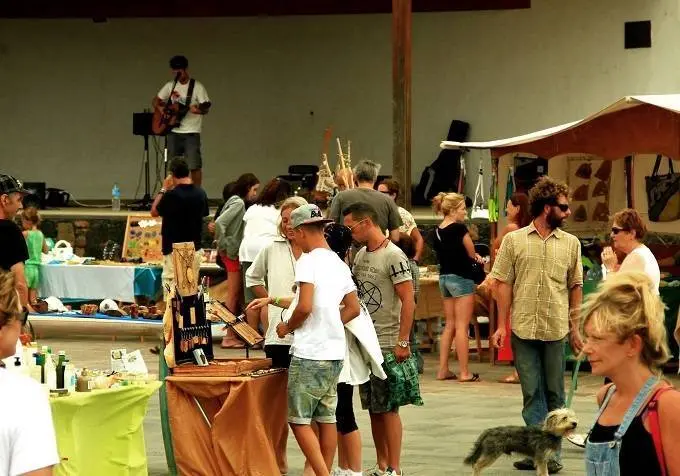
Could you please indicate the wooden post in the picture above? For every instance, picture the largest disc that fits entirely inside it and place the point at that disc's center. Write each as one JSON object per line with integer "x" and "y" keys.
{"x": 401, "y": 97}
{"x": 492, "y": 238}
{"x": 628, "y": 167}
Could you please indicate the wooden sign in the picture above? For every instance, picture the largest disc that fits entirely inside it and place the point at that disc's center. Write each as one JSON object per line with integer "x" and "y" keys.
{"x": 186, "y": 278}
{"x": 143, "y": 239}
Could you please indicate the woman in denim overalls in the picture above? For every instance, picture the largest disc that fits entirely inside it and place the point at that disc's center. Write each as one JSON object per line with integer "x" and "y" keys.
{"x": 626, "y": 341}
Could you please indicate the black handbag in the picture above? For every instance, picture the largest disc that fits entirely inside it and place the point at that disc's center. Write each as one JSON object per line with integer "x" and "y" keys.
{"x": 663, "y": 193}
{"x": 478, "y": 275}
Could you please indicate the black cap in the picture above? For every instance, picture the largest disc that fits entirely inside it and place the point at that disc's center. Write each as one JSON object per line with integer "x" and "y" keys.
{"x": 9, "y": 184}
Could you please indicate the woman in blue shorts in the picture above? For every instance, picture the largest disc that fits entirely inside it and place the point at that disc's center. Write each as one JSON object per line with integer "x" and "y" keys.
{"x": 455, "y": 253}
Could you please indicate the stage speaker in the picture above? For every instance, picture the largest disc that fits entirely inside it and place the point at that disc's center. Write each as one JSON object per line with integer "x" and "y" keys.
{"x": 141, "y": 123}
{"x": 36, "y": 196}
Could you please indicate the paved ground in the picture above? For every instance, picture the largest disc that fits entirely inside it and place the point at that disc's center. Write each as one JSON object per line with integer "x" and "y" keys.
{"x": 437, "y": 436}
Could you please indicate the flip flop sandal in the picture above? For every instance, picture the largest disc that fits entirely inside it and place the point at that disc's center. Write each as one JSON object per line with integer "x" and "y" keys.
{"x": 509, "y": 379}
{"x": 448, "y": 377}
{"x": 475, "y": 378}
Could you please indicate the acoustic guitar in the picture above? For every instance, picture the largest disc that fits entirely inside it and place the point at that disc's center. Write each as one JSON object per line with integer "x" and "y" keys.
{"x": 168, "y": 117}
{"x": 170, "y": 114}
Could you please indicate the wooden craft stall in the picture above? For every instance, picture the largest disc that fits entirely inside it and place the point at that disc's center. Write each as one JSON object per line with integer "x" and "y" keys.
{"x": 605, "y": 158}
{"x": 218, "y": 415}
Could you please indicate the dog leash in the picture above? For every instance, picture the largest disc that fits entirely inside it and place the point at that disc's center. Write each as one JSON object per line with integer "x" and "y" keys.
{"x": 574, "y": 382}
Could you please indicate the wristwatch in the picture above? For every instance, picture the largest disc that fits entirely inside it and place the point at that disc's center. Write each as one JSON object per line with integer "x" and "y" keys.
{"x": 161, "y": 191}
{"x": 403, "y": 344}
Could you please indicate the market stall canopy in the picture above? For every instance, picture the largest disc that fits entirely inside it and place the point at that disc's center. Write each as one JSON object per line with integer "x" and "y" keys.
{"x": 632, "y": 125}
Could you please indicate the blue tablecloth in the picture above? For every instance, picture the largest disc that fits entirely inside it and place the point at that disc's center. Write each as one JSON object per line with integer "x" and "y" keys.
{"x": 96, "y": 282}
{"x": 148, "y": 281}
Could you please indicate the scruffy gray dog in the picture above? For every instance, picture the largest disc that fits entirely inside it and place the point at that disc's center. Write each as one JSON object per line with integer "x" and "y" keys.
{"x": 537, "y": 443}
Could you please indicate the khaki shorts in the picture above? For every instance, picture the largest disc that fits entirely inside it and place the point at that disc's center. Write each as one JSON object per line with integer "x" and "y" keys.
{"x": 312, "y": 390}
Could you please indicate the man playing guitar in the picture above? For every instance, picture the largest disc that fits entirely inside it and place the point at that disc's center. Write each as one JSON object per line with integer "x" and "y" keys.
{"x": 184, "y": 138}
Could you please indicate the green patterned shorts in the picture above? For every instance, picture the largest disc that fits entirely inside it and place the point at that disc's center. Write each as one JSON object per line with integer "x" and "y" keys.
{"x": 312, "y": 390}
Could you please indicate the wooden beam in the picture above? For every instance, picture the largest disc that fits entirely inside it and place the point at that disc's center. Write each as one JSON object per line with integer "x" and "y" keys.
{"x": 103, "y": 9}
{"x": 401, "y": 97}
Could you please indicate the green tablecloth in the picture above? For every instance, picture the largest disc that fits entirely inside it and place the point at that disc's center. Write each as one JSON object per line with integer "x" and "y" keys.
{"x": 101, "y": 432}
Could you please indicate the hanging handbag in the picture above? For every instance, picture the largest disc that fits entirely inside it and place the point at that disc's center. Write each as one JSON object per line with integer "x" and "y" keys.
{"x": 663, "y": 193}
{"x": 478, "y": 210}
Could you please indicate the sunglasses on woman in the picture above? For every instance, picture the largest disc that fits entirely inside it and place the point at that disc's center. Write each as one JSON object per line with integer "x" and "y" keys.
{"x": 616, "y": 230}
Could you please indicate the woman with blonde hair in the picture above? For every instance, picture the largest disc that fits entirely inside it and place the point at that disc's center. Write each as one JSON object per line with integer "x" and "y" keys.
{"x": 455, "y": 253}
{"x": 635, "y": 431}
{"x": 272, "y": 276}
{"x": 28, "y": 443}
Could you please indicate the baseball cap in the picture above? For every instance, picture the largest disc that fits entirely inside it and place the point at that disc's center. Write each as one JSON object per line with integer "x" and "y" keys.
{"x": 306, "y": 215}
{"x": 9, "y": 184}
{"x": 109, "y": 306}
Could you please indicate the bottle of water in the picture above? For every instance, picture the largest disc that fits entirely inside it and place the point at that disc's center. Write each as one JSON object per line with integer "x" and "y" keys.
{"x": 115, "y": 198}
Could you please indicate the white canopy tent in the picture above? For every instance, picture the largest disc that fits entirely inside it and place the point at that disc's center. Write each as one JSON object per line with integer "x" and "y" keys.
{"x": 634, "y": 127}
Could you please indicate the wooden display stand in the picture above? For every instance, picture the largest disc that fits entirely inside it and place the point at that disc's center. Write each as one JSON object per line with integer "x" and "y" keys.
{"x": 243, "y": 331}
{"x": 190, "y": 328}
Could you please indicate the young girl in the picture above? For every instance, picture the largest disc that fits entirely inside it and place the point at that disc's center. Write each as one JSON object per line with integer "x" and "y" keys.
{"x": 35, "y": 241}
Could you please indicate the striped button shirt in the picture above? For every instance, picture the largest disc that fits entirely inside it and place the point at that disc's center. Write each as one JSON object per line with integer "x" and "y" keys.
{"x": 542, "y": 271}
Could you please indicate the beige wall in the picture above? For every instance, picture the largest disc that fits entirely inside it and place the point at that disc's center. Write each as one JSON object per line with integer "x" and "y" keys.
{"x": 69, "y": 87}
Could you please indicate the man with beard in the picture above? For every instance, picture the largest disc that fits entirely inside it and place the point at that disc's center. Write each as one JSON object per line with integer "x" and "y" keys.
{"x": 539, "y": 275}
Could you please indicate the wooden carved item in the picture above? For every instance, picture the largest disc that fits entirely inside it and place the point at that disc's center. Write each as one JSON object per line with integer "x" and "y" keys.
{"x": 344, "y": 168}
{"x": 183, "y": 258}
{"x": 241, "y": 328}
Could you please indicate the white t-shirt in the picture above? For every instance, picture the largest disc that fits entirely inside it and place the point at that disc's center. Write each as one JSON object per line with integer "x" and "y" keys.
{"x": 191, "y": 122}
{"x": 260, "y": 230}
{"x": 27, "y": 439}
{"x": 651, "y": 267}
{"x": 322, "y": 335}
{"x": 640, "y": 259}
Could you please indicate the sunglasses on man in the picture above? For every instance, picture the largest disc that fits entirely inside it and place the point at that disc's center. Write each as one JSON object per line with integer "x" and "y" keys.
{"x": 562, "y": 206}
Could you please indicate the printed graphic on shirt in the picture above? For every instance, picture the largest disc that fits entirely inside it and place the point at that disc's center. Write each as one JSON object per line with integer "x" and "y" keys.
{"x": 370, "y": 295}
{"x": 370, "y": 292}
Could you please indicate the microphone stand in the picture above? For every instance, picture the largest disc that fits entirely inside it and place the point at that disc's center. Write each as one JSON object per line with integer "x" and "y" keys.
{"x": 165, "y": 146}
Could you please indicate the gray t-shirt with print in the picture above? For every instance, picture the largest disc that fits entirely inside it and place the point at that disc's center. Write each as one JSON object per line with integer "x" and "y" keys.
{"x": 377, "y": 273}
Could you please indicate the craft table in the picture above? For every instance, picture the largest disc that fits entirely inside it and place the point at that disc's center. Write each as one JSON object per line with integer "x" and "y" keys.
{"x": 101, "y": 432}
{"x": 89, "y": 282}
{"x": 240, "y": 427}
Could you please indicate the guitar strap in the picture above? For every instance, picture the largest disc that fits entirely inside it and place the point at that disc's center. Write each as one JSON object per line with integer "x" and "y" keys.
{"x": 190, "y": 92}
{"x": 187, "y": 104}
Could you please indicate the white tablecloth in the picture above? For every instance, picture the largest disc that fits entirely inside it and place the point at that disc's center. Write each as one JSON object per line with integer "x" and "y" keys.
{"x": 88, "y": 282}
